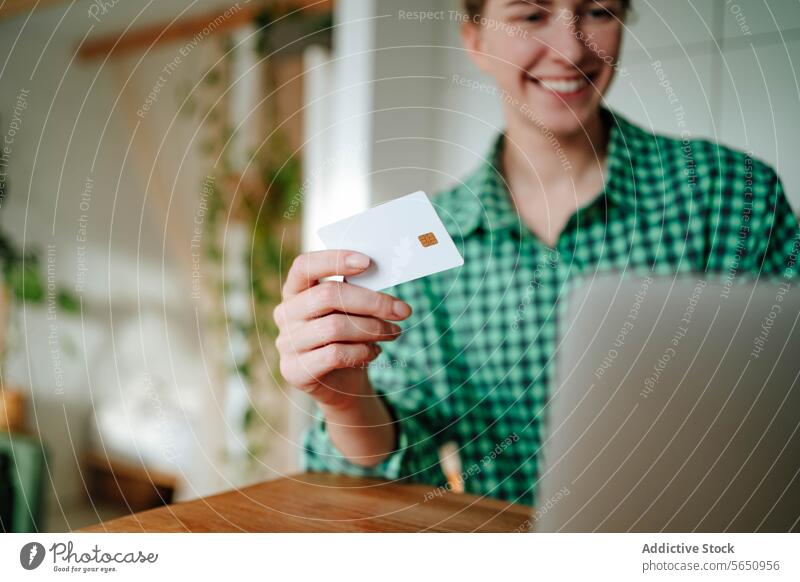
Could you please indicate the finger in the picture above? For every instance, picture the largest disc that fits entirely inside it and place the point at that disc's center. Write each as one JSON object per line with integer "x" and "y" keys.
{"x": 311, "y": 367}
{"x": 331, "y": 296}
{"x": 337, "y": 327}
{"x": 308, "y": 268}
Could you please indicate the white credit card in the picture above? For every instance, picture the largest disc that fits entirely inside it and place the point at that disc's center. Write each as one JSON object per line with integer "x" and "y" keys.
{"x": 404, "y": 238}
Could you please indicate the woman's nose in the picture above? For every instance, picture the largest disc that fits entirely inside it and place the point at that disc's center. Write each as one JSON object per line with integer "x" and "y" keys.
{"x": 564, "y": 40}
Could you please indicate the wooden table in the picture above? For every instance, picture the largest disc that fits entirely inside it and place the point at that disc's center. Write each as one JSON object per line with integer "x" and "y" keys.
{"x": 320, "y": 502}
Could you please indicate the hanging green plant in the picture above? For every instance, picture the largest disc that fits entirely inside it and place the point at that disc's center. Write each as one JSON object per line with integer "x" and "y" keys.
{"x": 23, "y": 278}
{"x": 257, "y": 201}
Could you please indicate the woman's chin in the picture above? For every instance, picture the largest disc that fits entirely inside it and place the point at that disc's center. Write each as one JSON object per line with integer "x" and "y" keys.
{"x": 566, "y": 121}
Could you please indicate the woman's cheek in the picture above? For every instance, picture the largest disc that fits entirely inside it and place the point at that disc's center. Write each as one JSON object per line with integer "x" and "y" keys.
{"x": 514, "y": 58}
{"x": 523, "y": 53}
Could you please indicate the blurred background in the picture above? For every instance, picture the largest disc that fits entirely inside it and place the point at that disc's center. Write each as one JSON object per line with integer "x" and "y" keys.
{"x": 162, "y": 162}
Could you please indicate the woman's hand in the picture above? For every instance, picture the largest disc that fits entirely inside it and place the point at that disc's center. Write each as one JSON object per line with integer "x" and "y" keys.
{"x": 327, "y": 334}
{"x": 329, "y": 330}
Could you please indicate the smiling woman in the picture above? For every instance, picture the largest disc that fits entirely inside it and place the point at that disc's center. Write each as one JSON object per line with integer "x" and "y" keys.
{"x": 550, "y": 66}
{"x": 569, "y": 189}
{"x": 556, "y": 82}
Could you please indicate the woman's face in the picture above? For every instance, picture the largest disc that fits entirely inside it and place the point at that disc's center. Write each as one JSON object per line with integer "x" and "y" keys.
{"x": 551, "y": 59}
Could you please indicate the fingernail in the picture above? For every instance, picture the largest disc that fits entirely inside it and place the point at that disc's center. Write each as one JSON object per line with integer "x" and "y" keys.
{"x": 401, "y": 309}
{"x": 355, "y": 261}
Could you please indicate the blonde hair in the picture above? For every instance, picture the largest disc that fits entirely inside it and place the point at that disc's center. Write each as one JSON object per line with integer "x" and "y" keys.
{"x": 474, "y": 8}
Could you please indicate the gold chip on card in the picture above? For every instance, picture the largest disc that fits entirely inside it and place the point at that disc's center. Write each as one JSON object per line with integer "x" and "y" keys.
{"x": 428, "y": 239}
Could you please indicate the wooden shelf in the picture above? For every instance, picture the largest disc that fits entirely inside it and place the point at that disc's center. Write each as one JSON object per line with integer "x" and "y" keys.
{"x": 143, "y": 38}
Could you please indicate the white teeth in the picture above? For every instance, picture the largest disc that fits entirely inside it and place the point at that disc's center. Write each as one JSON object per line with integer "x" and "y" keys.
{"x": 563, "y": 85}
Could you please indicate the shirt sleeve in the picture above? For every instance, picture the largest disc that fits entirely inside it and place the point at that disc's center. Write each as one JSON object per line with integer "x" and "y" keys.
{"x": 410, "y": 377}
{"x": 781, "y": 232}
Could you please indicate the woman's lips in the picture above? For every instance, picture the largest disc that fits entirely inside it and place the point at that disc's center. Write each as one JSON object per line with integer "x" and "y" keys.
{"x": 564, "y": 87}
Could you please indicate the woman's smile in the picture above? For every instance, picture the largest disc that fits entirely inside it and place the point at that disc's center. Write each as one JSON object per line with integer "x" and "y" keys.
{"x": 562, "y": 87}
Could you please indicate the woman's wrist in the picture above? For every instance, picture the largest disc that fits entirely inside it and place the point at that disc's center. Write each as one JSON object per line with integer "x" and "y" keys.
{"x": 363, "y": 431}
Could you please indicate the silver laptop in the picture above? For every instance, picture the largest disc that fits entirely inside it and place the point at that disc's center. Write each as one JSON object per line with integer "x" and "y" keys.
{"x": 676, "y": 408}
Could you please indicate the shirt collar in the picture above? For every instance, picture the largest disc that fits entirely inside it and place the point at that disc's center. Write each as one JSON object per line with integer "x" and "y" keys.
{"x": 487, "y": 204}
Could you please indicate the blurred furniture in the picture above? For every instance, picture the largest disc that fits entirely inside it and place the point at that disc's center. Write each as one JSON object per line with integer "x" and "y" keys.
{"x": 22, "y": 475}
{"x": 6, "y": 493}
{"x": 12, "y": 410}
{"x": 321, "y": 502}
{"x": 119, "y": 482}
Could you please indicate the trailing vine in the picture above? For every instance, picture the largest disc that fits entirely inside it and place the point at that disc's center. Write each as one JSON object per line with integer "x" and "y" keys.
{"x": 258, "y": 199}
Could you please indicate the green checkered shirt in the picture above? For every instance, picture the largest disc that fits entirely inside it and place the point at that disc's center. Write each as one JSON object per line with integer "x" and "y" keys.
{"x": 473, "y": 364}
